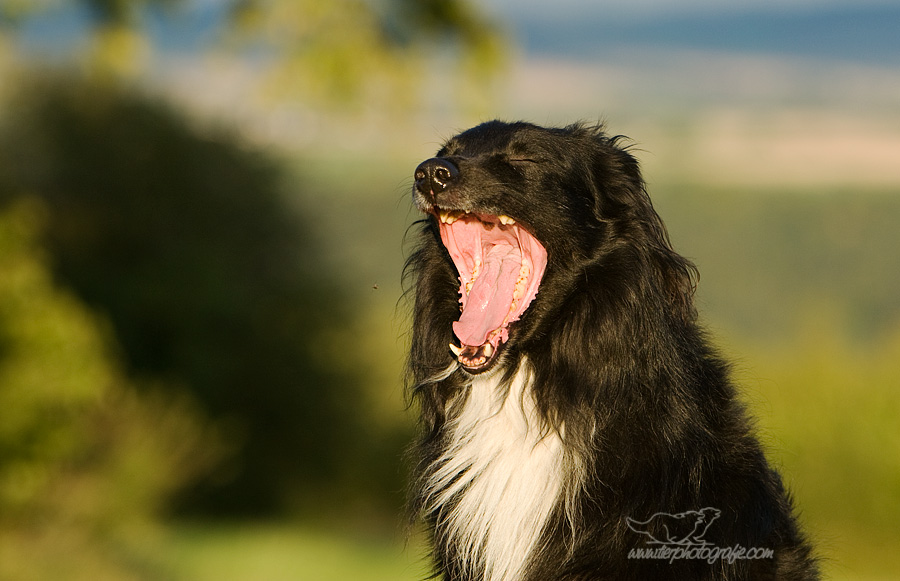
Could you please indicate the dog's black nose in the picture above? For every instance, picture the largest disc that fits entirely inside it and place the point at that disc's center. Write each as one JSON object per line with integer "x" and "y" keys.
{"x": 435, "y": 175}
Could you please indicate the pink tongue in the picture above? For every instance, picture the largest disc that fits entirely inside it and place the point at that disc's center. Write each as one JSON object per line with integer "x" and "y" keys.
{"x": 490, "y": 299}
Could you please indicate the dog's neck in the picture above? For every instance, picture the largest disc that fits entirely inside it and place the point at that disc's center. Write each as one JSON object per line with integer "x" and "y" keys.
{"x": 498, "y": 479}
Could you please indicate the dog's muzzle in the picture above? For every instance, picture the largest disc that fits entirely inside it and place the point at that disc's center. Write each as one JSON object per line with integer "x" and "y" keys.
{"x": 433, "y": 176}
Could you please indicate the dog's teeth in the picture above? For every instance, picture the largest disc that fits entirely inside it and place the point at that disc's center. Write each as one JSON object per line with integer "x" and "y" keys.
{"x": 456, "y": 350}
{"x": 488, "y": 350}
{"x": 475, "y": 272}
{"x": 506, "y": 220}
{"x": 451, "y": 216}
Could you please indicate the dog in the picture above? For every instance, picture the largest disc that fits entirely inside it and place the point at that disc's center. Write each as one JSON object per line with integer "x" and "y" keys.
{"x": 564, "y": 385}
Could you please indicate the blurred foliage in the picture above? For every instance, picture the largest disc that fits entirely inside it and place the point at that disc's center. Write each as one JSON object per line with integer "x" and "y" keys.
{"x": 337, "y": 54}
{"x": 87, "y": 464}
{"x": 353, "y": 53}
{"x": 115, "y": 49}
{"x": 188, "y": 243}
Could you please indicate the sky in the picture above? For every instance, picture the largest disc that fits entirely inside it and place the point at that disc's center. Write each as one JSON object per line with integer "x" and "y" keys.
{"x": 864, "y": 31}
{"x": 850, "y": 30}
{"x": 624, "y": 10}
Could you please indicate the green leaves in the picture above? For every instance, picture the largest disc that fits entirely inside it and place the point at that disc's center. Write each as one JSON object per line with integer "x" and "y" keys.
{"x": 86, "y": 462}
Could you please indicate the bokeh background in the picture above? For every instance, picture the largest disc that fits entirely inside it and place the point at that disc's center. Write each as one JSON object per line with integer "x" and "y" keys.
{"x": 203, "y": 208}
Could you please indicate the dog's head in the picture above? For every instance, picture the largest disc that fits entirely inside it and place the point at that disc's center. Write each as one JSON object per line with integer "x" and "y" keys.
{"x": 522, "y": 212}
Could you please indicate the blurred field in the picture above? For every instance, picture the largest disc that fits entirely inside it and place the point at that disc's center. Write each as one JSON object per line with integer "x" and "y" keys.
{"x": 828, "y": 414}
{"x": 289, "y": 554}
{"x": 272, "y": 552}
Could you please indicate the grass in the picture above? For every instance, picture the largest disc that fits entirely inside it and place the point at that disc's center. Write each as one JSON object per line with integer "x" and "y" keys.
{"x": 853, "y": 553}
{"x": 280, "y": 552}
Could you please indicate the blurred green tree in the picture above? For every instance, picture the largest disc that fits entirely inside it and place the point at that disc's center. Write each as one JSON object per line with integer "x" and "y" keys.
{"x": 185, "y": 240}
{"x": 87, "y": 463}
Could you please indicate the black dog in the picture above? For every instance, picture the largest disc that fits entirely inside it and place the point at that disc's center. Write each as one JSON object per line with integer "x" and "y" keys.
{"x": 564, "y": 384}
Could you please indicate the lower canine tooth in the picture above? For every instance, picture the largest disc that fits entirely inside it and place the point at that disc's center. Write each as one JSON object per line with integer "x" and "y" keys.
{"x": 456, "y": 350}
{"x": 488, "y": 350}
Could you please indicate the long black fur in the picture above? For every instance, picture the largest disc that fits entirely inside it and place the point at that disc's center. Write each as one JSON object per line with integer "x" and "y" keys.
{"x": 621, "y": 369}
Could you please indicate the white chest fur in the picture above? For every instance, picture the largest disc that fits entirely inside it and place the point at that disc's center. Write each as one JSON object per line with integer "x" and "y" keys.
{"x": 501, "y": 473}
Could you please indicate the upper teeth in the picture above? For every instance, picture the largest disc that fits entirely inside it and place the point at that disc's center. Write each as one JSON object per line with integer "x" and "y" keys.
{"x": 450, "y": 216}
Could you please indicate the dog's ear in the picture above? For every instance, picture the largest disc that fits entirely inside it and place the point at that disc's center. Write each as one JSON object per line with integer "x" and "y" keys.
{"x": 623, "y": 203}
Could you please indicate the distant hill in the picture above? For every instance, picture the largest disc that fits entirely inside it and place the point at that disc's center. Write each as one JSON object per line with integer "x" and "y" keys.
{"x": 771, "y": 261}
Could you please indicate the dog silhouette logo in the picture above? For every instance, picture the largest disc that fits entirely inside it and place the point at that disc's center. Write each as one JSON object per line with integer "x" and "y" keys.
{"x": 683, "y": 528}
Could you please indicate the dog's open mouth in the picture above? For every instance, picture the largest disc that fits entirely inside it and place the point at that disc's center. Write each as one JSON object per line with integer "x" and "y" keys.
{"x": 500, "y": 267}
